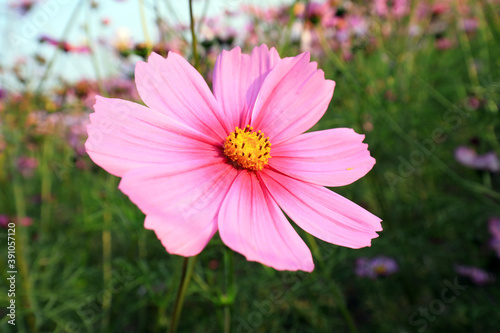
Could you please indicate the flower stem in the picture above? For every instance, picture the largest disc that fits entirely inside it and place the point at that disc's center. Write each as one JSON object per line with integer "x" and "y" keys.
{"x": 46, "y": 186}
{"x": 107, "y": 272}
{"x": 188, "y": 265}
{"x": 343, "y": 308}
{"x": 193, "y": 38}
{"x": 230, "y": 288}
{"x": 227, "y": 319}
{"x": 93, "y": 53}
{"x": 22, "y": 248}
{"x": 144, "y": 24}
{"x": 64, "y": 36}
{"x": 187, "y": 272}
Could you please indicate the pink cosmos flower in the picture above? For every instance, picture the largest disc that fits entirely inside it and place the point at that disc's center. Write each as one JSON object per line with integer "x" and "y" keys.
{"x": 196, "y": 163}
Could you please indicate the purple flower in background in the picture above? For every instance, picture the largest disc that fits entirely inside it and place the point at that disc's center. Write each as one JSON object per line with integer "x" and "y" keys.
{"x": 488, "y": 161}
{"x": 396, "y": 8}
{"x": 22, "y": 6}
{"x": 77, "y": 132}
{"x": 314, "y": 12}
{"x": 358, "y": 25}
{"x": 444, "y": 43}
{"x": 476, "y": 275}
{"x": 468, "y": 157}
{"x": 26, "y": 165}
{"x": 473, "y": 102}
{"x": 494, "y": 227}
{"x": 495, "y": 245}
{"x": 376, "y": 267}
{"x": 470, "y": 24}
{"x": 24, "y": 221}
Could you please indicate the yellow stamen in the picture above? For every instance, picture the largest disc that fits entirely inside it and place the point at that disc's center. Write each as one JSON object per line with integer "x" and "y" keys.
{"x": 248, "y": 149}
{"x": 380, "y": 269}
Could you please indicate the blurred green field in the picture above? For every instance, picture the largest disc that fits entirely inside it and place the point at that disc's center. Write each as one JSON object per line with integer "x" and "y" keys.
{"x": 85, "y": 262}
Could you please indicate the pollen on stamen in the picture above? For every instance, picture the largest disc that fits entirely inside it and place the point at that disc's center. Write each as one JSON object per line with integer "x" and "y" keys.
{"x": 248, "y": 149}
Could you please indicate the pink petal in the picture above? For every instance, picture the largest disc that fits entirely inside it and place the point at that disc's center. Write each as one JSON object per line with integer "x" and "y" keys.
{"x": 321, "y": 212}
{"x": 293, "y": 97}
{"x": 124, "y": 135}
{"x": 181, "y": 200}
{"x": 334, "y": 157}
{"x": 172, "y": 86}
{"x": 252, "y": 224}
{"x": 238, "y": 78}
{"x": 181, "y": 238}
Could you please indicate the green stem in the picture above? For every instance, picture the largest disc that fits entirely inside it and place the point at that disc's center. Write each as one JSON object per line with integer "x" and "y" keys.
{"x": 64, "y": 36}
{"x": 46, "y": 186}
{"x": 230, "y": 288}
{"x": 337, "y": 294}
{"x": 187, "y": 272}
{"x": 107, "y": 267}
{"x": 188, "y": 265}
{"x": 194, "y": 42}
{"x": 227, "y": 319}
{"x": 288, "y": 29}
{"x": 144, "y": 24}
{"x": 343, "y": 308}
{"x": 203, "y": 15}
{"x": 466, "y": 49}
{"x": 93, "y": 54}
{"x": 22, "y": 247}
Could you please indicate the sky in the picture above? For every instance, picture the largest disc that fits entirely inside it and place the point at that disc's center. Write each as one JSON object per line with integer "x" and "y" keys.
{"x": 19, "y": 33}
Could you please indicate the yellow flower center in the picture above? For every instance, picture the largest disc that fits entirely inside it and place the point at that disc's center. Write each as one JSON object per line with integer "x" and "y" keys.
{"x": 248, "y": 149}
{"x": 380, "y": 269}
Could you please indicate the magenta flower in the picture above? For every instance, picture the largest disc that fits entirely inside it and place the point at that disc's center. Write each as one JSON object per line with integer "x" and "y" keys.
{"x": 196, "y": 163}
{"x": 4, "y": 221}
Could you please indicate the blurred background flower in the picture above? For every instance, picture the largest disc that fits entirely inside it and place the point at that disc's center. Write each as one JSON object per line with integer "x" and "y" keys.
{"x": 375, "y": 267}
